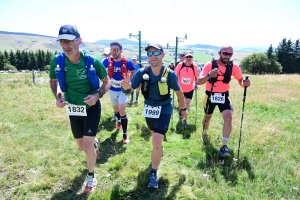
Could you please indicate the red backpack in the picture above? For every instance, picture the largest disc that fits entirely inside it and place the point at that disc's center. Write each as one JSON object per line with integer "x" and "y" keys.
{"x": 111, "y": 66}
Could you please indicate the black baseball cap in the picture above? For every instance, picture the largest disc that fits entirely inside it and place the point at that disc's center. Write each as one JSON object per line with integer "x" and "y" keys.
{"x": 68, "y": 32}
{"x": 157, "y": 46}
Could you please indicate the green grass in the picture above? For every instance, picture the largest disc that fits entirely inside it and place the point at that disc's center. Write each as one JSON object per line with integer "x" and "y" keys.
{"x": 39, "y": 158}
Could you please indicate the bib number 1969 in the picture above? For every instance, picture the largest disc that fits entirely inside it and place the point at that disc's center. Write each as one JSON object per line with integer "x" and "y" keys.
{"x": 151, "y": 112}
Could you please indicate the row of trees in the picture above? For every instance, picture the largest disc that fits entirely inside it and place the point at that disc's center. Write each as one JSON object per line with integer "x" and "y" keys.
{"x": 25, "y": 60}
{"x": 283, "y": 59}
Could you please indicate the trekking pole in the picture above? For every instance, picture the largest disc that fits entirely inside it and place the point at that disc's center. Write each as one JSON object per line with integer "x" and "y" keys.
{"x": 206, "y": 106}
{"x": 196, "y": 109}
{"x": 244, "y": 99}
{"x": 173, "y": 106}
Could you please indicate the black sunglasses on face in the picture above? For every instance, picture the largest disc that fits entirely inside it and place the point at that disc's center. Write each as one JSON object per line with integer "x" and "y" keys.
{"x": 226, "y": 53}
{"x": 155, "y": 53}
{"x": 189, "y": 56}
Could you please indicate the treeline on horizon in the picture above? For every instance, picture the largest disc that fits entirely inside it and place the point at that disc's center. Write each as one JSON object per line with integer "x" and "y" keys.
{"x": 283, "y": 59}
{"x": 26, "y": 60}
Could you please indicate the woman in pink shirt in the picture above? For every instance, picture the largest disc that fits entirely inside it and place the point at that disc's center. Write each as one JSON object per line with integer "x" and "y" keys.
{"x": 187, "y": 73}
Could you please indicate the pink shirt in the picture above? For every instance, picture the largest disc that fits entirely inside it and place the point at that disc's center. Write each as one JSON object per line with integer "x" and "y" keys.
{"x": 186, "y": 77}
{"x": 219, "y": 86}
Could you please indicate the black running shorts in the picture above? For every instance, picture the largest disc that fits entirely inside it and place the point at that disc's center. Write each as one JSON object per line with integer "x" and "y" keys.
{"x": 86, "y": 125}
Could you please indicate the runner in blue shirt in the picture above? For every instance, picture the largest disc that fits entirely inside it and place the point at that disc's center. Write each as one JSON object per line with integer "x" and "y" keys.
{"x": 116, "y": 65}
{"x": 157, "y": 111}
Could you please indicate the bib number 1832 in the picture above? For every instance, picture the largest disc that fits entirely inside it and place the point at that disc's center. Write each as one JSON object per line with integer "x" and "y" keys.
{"x": 74, "y": 110}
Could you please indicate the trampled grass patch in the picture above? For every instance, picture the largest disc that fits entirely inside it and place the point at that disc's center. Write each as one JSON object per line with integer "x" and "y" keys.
{"x": 40, "y": 160}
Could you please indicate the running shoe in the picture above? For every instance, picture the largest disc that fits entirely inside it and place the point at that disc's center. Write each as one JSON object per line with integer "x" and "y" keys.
{"x": 91, "y": 184}
{"x": 224, "y": 151}
{"x": 205, "y": 138}
{"x": 118, "y": 126}
{"x": 153, "y": 182}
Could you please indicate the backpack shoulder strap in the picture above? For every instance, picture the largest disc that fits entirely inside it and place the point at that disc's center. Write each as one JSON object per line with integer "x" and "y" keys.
{"x": 182, "y": 66}
{"x": 214, "y": 64}
{"x": 166, "y": 72}
{"x": 60, "y": 60}
{"x": 89, "y": 61}
{"x": 124, "y": 60}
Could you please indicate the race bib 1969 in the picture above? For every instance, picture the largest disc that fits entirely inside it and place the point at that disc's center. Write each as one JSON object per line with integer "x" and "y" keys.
{"x": 115, "y": 83}
{"x": 151, "y": 112}
{"x": 218, "y": 98}
{"x": 74, "y": 110}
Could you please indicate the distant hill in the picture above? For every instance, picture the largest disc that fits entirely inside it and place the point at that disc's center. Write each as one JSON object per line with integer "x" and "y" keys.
{"x": 249, "y": 49}
{"x": 203, "y": 46}
{"x": 32, "y": 42}
{"x": 26, "y": 34}
{"x": 123, "y": 41}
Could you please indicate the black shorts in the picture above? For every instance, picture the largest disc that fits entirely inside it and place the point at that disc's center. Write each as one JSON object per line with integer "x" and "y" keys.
{"x": 159, "y": 125}
{"x": 211, "y": 106}
{"x": 188, "y": 95}
{"x": 86, "y": 125}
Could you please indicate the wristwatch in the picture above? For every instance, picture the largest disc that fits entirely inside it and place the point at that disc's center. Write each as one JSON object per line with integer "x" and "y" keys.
{"x": 100, "y": 94}
{"x": 183, "y": 109}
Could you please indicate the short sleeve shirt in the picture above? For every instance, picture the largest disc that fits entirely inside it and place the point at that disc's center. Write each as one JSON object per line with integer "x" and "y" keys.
{"x": 154, "y": 95}
{"x": 117, "y": 71}
{"x": 78, "y": 85}
{"x": 219, "y": 86}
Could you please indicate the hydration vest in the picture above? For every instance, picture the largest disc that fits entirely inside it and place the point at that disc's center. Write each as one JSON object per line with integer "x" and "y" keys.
{"x": 227, "y": 74}
{"x": 60, "y": 70}
{"x": 111, "y": 66}
{"x": 192, "y": 66}
{"x": 164, "y": 89}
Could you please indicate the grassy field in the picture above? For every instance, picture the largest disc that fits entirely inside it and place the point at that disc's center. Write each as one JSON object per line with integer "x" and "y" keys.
{"x": 40, "y": 160}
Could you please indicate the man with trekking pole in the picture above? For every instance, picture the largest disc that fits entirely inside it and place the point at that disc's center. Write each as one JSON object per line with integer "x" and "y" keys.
{"x": 216, "y": 76}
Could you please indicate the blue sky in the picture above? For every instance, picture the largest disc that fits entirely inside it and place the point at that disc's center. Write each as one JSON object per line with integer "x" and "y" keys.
{"x": 247, "y": 23}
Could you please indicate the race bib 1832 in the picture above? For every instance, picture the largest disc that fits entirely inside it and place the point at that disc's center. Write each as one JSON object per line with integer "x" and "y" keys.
{"x": 74, "y": 110}
{"x": 151, "y": 112}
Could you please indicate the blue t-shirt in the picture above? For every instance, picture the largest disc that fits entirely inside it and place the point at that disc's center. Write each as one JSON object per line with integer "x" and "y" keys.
{"x": 154, "y": 95}
{"x": 137, "y": 67}
{"x": 117, "y": 71}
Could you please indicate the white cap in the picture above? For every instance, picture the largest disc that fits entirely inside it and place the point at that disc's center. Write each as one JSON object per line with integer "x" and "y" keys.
{"x": 133, "y": 58}
{"x": 106, "y": 51}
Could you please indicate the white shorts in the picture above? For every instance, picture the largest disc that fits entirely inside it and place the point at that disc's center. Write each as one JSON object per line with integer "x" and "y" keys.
{"x": 117, "y": 97}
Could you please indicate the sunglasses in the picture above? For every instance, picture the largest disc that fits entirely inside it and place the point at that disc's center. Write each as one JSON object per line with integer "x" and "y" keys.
{"x": 189, "y": 56}
{"x": 155, "y": 53}
{"x": 68, "y": 42}
{"x": 226, "y": 53}
{"x": 115, "y": 50}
